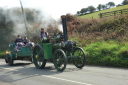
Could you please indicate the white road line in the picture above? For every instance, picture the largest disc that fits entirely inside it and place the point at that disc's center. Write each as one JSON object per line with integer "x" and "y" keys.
{"x": 9, "y": 69}
{"x": 66, "y": 80}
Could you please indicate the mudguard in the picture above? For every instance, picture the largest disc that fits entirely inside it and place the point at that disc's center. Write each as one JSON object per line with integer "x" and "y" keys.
{"x": 9, "y": 55}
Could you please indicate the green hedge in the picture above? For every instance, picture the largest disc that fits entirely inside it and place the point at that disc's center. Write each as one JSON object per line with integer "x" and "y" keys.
{"x": 107, "y": 54}
{"x": 2, "y": 54}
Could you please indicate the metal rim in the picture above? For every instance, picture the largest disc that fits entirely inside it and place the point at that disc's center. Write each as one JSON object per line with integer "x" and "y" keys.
{"x": 79, "y": 57}
{"x": 60, "y": 60}
{"x": 38, "y": 57}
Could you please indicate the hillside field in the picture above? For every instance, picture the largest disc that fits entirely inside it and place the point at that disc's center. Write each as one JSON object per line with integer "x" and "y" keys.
{"x": 96, "y": 14}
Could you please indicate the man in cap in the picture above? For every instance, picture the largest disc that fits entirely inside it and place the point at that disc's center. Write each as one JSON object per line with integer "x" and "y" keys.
{"x": 19, "y": 39}
{"x": 19, "y": 43}
{"x": 43, "y": 34}
{"x": 27, "y": 42}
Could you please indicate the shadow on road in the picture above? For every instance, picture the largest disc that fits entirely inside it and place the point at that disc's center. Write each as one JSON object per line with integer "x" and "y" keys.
{"x": 21, "y": 64}
{"x": 27, "y": 70}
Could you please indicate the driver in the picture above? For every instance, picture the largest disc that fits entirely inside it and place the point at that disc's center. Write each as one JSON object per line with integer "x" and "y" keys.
{"x": 43, "y": 34}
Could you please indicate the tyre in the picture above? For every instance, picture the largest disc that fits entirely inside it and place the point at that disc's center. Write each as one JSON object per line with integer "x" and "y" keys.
{"x": 79, "y": 57}
{"x": 10, "y": 61}
{"x": 38, "y": 57}
{"x": 59, "y": 60}
{"x": 6, "y": 59}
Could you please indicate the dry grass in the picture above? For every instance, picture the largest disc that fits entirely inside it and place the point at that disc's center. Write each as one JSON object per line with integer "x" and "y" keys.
{"x": 94, "y": 30}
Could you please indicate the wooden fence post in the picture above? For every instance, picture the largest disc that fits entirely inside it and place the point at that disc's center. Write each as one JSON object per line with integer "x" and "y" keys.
{"x": 114, "y": 13}
{"x": 121, "y": 12}
{"x": 100, "y": 15}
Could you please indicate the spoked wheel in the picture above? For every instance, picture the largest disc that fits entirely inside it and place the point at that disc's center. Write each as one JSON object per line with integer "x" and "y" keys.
{"x": 59, "y": 60}
{"x": 10, "y": 61}
{"x": 79, "y": 57}
{"x": 38, "y": 57}
{"x": 6, "y": 59}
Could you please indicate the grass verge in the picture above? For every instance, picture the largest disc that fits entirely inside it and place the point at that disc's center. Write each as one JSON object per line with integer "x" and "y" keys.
{"x": 2, "y": 54}
{"x": 107, "y": 54}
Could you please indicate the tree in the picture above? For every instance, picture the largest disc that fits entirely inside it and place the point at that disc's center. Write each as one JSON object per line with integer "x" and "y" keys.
{"x": 51, "y": 29}
{"x": 83, "y": 10}
{"x": 78, "y": 12}
{"x": 106, "y": 6}
{"x": 125, "y": 2}
{"x": 118, "y": 5}
{"x": 103, "y": 7}
{"x": 110, "y": 4}
{"x": 99, "y": 7}
{"x": 91, "y": 9}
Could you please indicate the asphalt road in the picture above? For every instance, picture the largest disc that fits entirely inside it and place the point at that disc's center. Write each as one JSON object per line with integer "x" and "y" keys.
{"x": 25, "y": 73}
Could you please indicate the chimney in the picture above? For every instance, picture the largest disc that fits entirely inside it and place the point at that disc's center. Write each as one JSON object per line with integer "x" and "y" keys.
{"x": 64, "y": 27}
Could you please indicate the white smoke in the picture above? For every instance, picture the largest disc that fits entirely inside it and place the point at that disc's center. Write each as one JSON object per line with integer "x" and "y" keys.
{"x": 40, "y": 20}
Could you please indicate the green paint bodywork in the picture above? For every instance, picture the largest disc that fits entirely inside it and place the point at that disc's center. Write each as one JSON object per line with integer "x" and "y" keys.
{"x": 25, "y": 52}
{"x": 48, "y": 52}
{"x": 49, "y": 47}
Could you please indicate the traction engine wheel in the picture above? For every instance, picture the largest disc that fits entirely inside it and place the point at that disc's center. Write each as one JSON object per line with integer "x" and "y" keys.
{"x": 79, "y": 57}
{"x": 59, "y": 60}
{"x": 38, "y": 57}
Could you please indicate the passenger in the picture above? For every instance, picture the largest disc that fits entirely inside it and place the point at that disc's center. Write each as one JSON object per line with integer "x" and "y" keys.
{"x": 19, "y": 39}
{"x": 43, "y": 34}
{"x": 18, "y": 43}
{"x": 27, "y": 42}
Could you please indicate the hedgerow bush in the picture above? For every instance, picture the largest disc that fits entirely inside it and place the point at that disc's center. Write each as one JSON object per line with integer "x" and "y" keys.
{"x": 2, "y": 54}
{"x": 107, "y": 54}
{"x": 96, "y": 30}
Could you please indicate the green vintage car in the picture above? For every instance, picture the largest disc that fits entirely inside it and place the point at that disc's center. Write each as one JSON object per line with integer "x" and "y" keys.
{"x": 25, "y": 53}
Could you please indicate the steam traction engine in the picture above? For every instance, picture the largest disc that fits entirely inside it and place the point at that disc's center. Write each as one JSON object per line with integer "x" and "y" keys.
{"x": 60, "y": 50}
